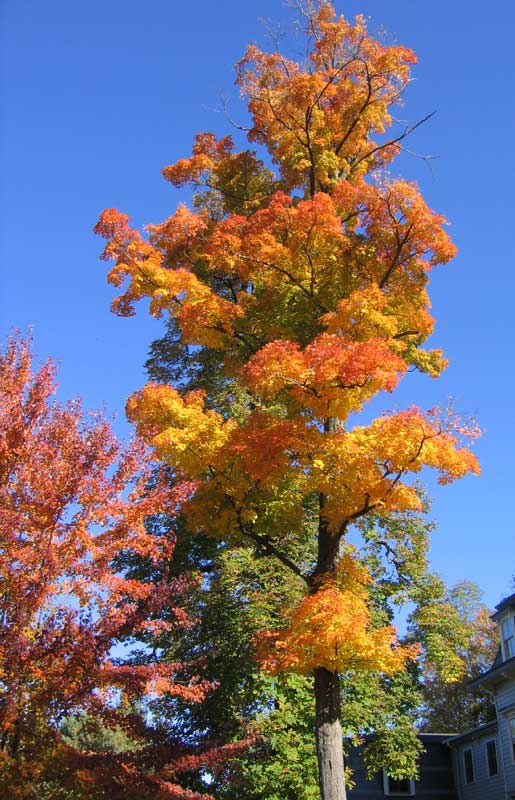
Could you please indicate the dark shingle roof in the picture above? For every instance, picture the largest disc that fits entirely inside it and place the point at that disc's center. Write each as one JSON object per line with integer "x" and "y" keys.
{"x": 504, "y": 604}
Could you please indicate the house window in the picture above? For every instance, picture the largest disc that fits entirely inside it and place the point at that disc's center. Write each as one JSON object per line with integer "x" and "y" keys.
{"x": 491, "y": 757}
{"x": 511, "y": 724}
{"x": 508, "y": 637}
{"x": 405, "y": 787}
{"x": 468, "y": 764}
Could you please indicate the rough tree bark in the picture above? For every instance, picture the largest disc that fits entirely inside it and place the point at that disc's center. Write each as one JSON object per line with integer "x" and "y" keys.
{"x": 328, "y": 731}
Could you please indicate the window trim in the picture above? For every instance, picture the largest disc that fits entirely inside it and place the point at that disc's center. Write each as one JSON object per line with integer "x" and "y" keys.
{"x": 511, "y": 736}
{"x": 493, "y": 741}
{"x": 510, "y": 617}
{"x": 388, "y": 793}
{"x": 471, "y": 751}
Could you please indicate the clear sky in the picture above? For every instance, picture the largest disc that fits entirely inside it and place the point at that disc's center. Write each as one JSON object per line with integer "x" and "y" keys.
{"x": 99, "y": 95}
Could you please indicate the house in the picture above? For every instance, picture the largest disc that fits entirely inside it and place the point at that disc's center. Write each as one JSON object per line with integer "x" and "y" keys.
{"x": 484, "y": 758}
{"x": 476, "y": 765}
{"x": 436, "y": 780}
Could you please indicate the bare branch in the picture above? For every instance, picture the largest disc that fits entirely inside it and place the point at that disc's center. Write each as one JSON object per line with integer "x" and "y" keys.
{"x": 391, "y": 142}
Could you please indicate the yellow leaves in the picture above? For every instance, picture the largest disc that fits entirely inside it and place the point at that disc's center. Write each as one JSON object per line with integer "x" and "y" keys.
{"x": 179, "y": 428}
{"x": 364, "y": 469}
{"x": 431, "y": 362}
{"x": 249, "y": 474}
{"x": 331, "y": 628}
{"x": 362, "y": 315}
{"x": 261, "y": 471}
{"x": 248, "y": 516}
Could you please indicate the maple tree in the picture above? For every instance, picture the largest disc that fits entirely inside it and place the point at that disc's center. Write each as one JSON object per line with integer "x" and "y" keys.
{"x": 304, "y": 289}
{"x": 72, "y": 500}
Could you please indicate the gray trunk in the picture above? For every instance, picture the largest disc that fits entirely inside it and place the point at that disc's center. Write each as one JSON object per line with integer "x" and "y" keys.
{"x": 328, "y": 729}
{"x": 328, "y": 732}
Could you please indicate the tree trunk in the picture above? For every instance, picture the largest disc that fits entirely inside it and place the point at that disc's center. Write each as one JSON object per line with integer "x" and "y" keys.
{"x": 328, "y": 729}
{"x": 328, "y": 732}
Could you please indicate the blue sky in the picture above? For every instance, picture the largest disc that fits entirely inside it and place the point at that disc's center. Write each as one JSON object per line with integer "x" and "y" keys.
{"x": 99, "y": 96}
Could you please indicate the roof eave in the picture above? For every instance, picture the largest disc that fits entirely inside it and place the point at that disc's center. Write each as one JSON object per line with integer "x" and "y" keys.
{"x": 474, "y": 733}
{"x": 507, "y": 602}
{"x": 495, "y": 675}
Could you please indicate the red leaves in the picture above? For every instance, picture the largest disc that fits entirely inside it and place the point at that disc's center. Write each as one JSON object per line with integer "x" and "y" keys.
{"x": 264, "y": 447}
{"x": 72, "y": 500}
{"x": 112, "y": 223}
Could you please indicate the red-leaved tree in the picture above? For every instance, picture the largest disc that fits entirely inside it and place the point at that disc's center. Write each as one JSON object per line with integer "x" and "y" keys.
{"x": 72, "y": 499}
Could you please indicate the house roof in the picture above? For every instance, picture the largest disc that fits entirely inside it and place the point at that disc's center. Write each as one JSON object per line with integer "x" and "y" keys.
{"x": 425, "y": 738}
{"x": 508, "y": 602}
{"x": 474, "y": 733}
{"x": 500, "y": 671}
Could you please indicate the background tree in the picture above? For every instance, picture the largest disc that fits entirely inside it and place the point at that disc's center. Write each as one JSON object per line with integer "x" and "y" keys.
{"x": 234, "y": 597}
{"x": 303, "y": 293}
{"x": 455, "y": 707}
{"x": 72, "y": 498}
{"x": 89, "y": 734}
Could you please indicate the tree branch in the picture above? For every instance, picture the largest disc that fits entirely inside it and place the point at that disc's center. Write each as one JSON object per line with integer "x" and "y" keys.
{"x": 266, "y": 545}
{"x": 403, "y": 135}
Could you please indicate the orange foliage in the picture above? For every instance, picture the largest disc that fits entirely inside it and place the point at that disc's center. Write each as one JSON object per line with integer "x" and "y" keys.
{"x": 205, "y": 318}
{"x": 315, "y": 377}
{"x": 357, "y": 471}
{"x": 306, "y": 291}
{"x": 331, "y": 628}
{"x": 317, "y": 121}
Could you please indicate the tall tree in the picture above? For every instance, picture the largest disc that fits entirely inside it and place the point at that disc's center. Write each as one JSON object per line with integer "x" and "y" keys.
{"x": 303, "y": 293}
{"x": 72, "y": 498}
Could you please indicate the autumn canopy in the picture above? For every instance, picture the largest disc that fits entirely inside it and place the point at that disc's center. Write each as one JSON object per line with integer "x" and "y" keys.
{"x": 299, "y": 279}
